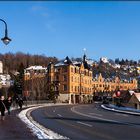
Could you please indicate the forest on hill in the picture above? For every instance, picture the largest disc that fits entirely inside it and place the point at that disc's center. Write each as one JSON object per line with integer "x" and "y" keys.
{"x": 12, "y": 61}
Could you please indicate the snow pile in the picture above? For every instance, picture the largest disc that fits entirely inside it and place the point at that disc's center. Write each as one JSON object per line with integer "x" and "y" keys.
{"x": 37, "y": 129}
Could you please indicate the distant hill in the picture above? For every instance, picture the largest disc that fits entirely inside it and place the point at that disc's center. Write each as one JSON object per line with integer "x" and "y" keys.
{"x": 11, "y": 61}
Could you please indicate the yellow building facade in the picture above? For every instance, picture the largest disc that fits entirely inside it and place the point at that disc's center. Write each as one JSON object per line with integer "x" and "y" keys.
{"x": 103, "y": 85}
{"x": 75, "y": 82}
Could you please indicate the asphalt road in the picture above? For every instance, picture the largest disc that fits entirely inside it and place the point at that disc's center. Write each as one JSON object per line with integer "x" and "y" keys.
{"x": 88, "y": 122}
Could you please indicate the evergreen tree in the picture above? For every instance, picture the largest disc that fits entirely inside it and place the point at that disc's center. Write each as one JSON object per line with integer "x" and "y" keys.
{"x": 19, "y": 80}
{"x": 117, "y": 60}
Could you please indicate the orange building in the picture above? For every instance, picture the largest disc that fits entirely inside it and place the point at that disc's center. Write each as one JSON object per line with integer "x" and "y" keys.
{"x": 74, "y": 82}
{"x": 101, "y": 85}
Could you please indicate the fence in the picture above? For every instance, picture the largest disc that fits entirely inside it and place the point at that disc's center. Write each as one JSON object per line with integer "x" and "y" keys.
{"x": 33, "y": 102}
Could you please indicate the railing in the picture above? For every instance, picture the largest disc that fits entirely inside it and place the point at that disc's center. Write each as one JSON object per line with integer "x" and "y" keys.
{"x": 33, "y": 102}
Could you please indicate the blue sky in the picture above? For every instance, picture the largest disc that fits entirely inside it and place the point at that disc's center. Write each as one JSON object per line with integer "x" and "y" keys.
{"x": 110, "y": 29}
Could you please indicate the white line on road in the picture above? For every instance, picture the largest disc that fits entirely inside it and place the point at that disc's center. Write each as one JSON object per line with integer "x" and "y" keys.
{"x": 59, "y": 115}
{"x": 84, "y": 124}
{"x": 94, "y": 117}
{"x": 95, "y": 114}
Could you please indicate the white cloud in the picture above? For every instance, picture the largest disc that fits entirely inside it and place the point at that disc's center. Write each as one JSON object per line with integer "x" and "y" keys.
{"x": 43, "y": 12}
{"x": 36, "y": 8}
{"x": 40, "y": 10}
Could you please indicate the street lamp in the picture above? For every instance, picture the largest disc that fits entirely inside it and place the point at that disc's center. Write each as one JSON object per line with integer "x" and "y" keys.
{"x": 5, "y": 39}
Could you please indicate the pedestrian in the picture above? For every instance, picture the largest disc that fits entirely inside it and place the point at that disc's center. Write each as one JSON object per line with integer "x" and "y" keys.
{"x": 20, "y": 103}
{"x": 8, "y": 104}
{"x": 2, "y": 107}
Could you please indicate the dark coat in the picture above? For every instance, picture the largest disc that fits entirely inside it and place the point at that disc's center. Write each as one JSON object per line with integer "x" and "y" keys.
{"x": 20, "y": 102}
{"x": 2, "y": 105}
{"x": 8, "y": 103}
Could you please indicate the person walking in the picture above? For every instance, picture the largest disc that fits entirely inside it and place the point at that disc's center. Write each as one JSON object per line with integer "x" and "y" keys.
{"x": 2, "y": 107}
{"x": 8, "y": 104}
{"x": 20, "y": 103}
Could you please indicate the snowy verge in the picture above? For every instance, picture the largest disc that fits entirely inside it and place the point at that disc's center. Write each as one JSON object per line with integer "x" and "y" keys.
{"x": 40, "y": 131}
{"x": 120, "y": 111}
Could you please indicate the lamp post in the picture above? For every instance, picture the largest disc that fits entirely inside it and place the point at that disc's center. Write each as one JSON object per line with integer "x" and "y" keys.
{"x": 5, "y": 39}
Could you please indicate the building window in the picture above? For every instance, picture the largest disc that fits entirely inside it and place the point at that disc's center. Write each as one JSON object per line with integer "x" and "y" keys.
{"x": 65, "y": 69}
{"x": 57, "y": 77}
{"x": 71, "y": 69}
{"x": 78, "y": 88}
{"x": 81, "y": 80}
{"x": 84, "y": 72}
{"x": 72, "y": 78}
{"x": 57, "y": 70}
{"x": 65, "y": 78}
{"x": 72, "y": 88}
{"x": 65, "y": 87}
{"x": 75, "y": 70}
{"x": 75, "y": 88}
{"x": 85, "y": 89}
{"x": 75, "y": 79}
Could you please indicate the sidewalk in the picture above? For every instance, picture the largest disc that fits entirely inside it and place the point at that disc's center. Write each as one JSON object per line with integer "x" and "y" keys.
{"x": 125, "y": 110}
{"x": 12, "y": 128}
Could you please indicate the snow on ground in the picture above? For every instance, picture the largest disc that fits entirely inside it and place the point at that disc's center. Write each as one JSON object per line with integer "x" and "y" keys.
{"x": 37, "y": 129}
{"x": 121, "y": 109}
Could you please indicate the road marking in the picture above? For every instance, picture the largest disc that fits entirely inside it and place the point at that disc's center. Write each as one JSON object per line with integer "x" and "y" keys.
{"x": 59, "y": 115}
{"x": 84, "y": 124}
{"x": 95, "y": 114}
{"x": 121, "y": 114}
{"x": 82, "y": 129}
{"x": 94, "y": 117}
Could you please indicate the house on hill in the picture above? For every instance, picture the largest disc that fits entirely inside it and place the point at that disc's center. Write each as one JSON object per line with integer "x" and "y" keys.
{"x": 134, "y": 101}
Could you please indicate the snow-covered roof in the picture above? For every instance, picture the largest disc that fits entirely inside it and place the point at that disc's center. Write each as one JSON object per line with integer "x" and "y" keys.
{"x": 36, "y": 68}
{"x": 60, "y": 63}
{"x": 90, "y": 62}
{"x": 137, "y": 96}
{"x": 76, "y": 62}
{"x": 131, "y": 92}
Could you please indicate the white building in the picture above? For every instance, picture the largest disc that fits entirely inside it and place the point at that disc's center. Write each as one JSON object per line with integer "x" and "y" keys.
{"x": 1, "y": 67}
{"x": 116, "y": 66}
{"x": 35, "y": 70}
{"x": 5, "y": 80}
{"x": 104, "y": 59}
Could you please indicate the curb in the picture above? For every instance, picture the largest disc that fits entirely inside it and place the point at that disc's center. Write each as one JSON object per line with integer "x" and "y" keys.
{"x": 120, "y": 111}
{"x": 40, "y": 131}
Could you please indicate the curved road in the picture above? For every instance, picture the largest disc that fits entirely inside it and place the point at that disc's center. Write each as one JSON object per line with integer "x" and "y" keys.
{"x": 87, "y": 122}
